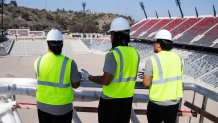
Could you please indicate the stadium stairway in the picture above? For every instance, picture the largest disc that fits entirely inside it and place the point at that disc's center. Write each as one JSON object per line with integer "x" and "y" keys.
{"x": 5, "y": 47}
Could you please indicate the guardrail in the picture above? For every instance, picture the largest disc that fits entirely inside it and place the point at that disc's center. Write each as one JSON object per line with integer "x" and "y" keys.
{"x": 23, "y": 86}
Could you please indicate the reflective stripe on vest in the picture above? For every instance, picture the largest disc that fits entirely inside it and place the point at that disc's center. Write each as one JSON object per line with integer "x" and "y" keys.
{"x": 38, "y": 64}
{"x": 162, "y": 80}
{"x": 61, "y": 79}
{"x": 120, "y": 79}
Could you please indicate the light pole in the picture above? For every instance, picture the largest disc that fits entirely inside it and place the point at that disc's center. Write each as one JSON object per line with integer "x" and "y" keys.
{"x": 2, "y": 20}
{"x": 45, "y": 4}
{"x": 169, "y": 14}
{"x": 214, "y": 11}
{"x": 84, "y": 6}
{"x": 143, "y": 8}
{"x": 178, "y": 3}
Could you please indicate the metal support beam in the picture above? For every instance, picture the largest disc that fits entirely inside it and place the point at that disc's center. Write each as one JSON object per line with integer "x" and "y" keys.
{"x": 204, "y": 105}
{"x": 202, "y": 112}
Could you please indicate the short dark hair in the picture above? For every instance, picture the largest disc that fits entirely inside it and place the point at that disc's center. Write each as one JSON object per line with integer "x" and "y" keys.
{"x": 119, "y": 37}
{"x": 55, "y": 46}
{"x": 165, "y": 44}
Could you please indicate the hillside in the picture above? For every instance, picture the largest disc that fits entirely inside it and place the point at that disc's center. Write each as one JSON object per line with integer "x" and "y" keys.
{"x": 69, "y": 21}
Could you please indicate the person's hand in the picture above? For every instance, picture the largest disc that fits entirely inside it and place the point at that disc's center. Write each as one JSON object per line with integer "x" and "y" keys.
{"x": 141, "y": 74}
{"x": 84, "y": 74}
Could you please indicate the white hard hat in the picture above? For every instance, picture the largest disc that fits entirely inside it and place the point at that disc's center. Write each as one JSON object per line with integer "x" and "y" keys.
{"x": 163, "y": 34}
{"x": 119, "y": 24}
{"x": 54, "y": 35}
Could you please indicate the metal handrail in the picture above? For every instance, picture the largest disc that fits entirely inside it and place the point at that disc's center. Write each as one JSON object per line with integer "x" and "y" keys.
{"x": 24, "y": 86}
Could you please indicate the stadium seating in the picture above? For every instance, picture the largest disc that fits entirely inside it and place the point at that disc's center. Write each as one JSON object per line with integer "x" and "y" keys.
{"x": 36, "y": 33}
{"x": 7, "y": 45}
{"x": 174, "y": 23}
{"x": 12, "y": 32}
{"x": 137, "y": 25}
{"x": 144, "y": 28}
{"x": 201, "y": 65}
{"x": 156, "y": 27}
{"x": 198, "y": 29}
{"x": 198, "y": 65}
{"x": 216, "y": 45}
{"x": 192, "y": 31}
{"x": 86, "y": 42}
{"x": 211, "y": 78}
{"x": 184, "y": 26}
{"x": 23, "y": 32}
{"x": 208, "y": 38}
{"x": 144, "y": 50}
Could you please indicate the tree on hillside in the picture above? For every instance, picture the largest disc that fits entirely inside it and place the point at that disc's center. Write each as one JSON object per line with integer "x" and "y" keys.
{"x": 105, "y": 27}
{"x": 58, "y": 10}
{"x": 26, "y": 16}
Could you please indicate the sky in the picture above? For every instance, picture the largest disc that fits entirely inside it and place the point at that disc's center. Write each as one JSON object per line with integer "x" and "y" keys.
{"x": 127, "y": 7}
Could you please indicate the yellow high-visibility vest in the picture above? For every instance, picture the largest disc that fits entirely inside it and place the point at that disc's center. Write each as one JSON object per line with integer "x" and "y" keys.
{"x": 123, "y": 83}
{"x": 167, "y": 77}
{"x": 53, "y": 76}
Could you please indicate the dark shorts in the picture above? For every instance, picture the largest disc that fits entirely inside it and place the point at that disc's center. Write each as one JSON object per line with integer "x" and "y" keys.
{"x": 158, "y": 114}
{"x": 49, "y": 118}
{"x": 114, "y": 110}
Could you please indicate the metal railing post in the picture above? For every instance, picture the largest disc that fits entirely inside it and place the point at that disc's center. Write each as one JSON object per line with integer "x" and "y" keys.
{"x": 177, "y": 117}
{"x": 76, "y": 118}
{"x": 193, "y": 101}
{"x": 133, "y": 117}
{"x": 204, "y": 104}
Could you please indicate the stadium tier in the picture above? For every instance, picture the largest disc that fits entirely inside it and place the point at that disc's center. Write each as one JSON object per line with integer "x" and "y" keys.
{"x": 25, "y": 33}
{"x": 198, "y": 65}
{"x": 174, "y": 23}
{"x": 5, "y": 47}
{"x": 180, "y": 29}
{"x": 192, "y": 31}
{"x": 142, "y": 29}
{"x": 209, "y": 37}
{"x": 137, "y": 25}
{"x": 150, "y": 32}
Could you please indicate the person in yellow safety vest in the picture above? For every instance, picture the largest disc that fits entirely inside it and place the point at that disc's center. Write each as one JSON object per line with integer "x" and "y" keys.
{"x": 119, "y": 78}
{"x": 163, "y": 75}
{"x": 56, "y": 75}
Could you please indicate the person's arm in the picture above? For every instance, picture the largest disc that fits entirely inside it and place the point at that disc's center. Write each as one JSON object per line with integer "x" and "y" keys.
{"x": 109, "y": 69}
{"x": 103, "y": 80}
{"x": 147, "y": 79}
{"x": 76, "y": 84}
{"x": 75, "y": 76}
